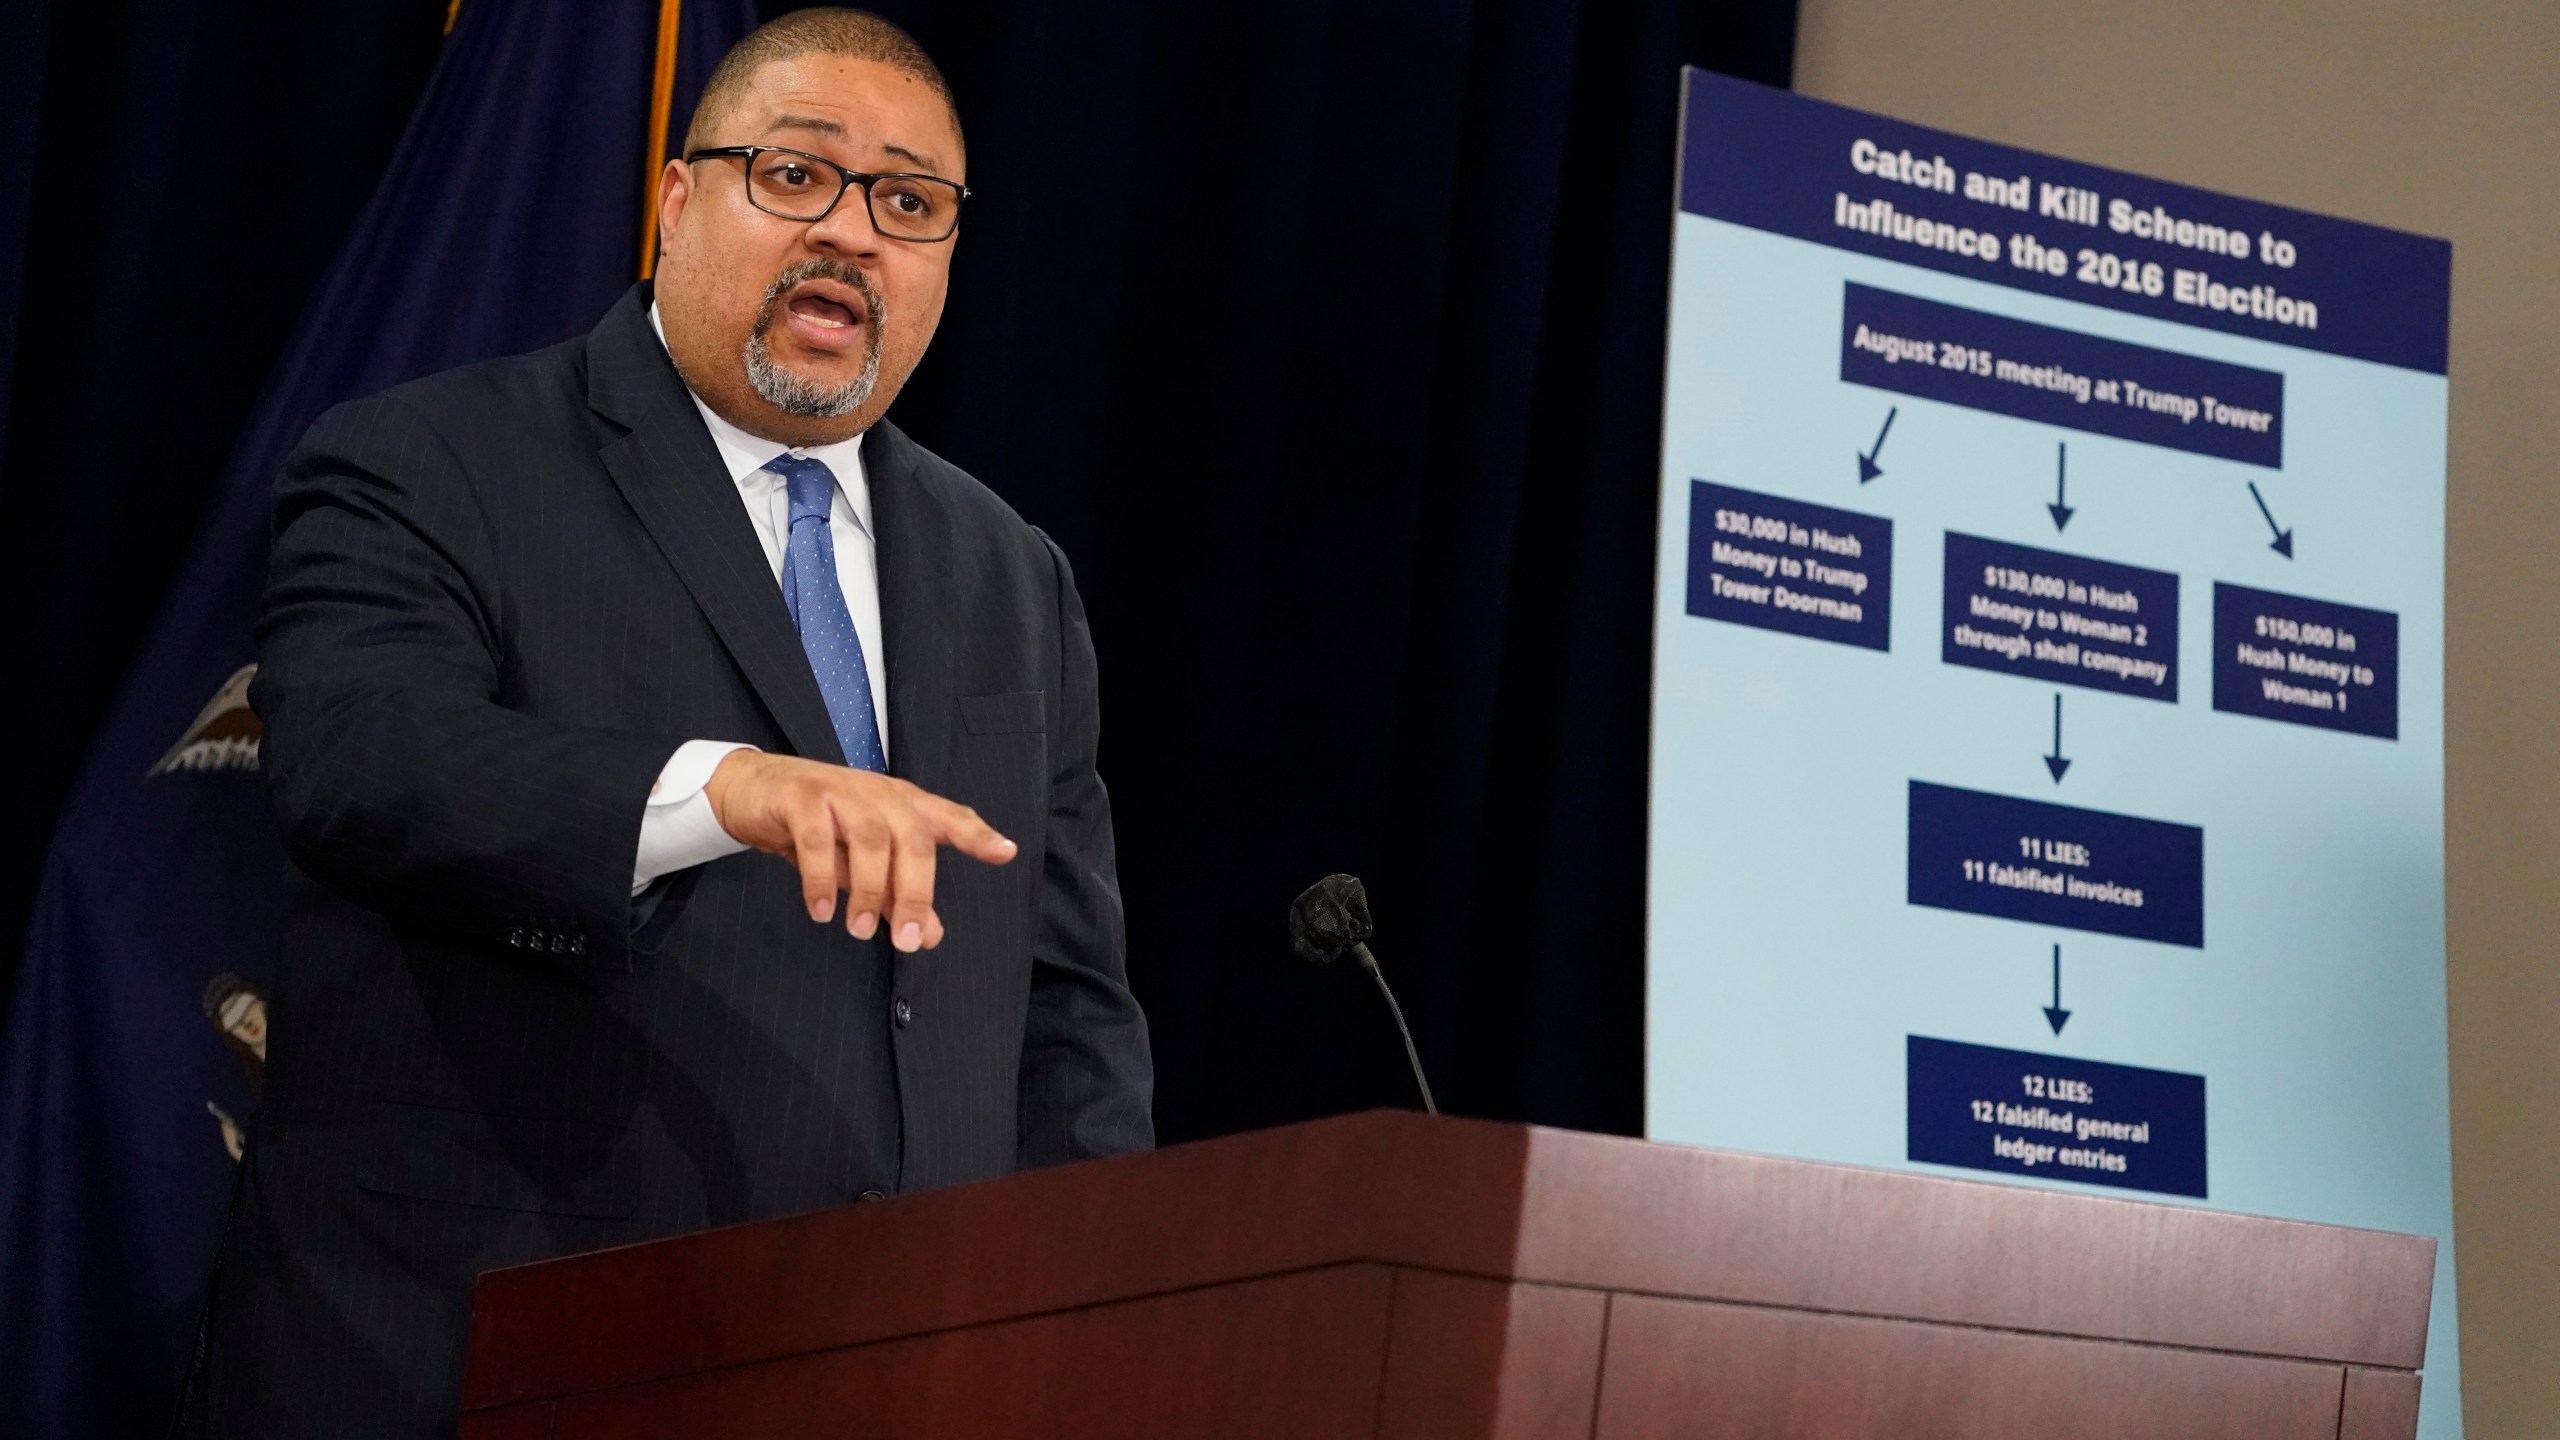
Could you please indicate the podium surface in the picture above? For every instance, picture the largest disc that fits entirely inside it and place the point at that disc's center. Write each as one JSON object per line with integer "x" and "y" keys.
{"x": 1394, "y": 1275}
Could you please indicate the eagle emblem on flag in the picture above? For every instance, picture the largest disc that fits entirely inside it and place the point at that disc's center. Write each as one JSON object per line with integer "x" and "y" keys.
{"x": 224, "y": 735}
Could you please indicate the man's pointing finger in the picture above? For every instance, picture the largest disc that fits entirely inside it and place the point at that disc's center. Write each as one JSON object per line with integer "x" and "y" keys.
{"x": 960, "y": 828}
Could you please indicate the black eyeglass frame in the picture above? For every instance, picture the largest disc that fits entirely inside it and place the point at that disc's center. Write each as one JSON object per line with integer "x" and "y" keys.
{"x": 846, "y": 180}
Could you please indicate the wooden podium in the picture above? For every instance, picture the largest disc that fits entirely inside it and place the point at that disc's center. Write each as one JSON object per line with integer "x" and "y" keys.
{"x": 1391, "y": 1275}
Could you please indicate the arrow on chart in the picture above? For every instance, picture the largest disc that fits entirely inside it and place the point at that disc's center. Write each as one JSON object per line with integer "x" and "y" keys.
{"x": 2061, "y": 511}
{"x": 2054, "y": 1012}
{"x": 2054, "y": 762}
{"x": 2283, "y": 543}
{"x": 1868, "y": 469}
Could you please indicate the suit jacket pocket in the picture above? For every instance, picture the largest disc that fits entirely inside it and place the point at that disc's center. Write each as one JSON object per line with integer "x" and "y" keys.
{"x": 1014, "y": 713}
{"x": 532, "y": 1163}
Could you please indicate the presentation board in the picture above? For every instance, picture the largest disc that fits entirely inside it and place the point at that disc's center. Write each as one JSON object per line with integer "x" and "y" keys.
{"x": 2048, "y": 752}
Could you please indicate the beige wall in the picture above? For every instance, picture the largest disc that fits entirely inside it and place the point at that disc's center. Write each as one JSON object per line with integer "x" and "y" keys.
{"x": 2443, "y": 119}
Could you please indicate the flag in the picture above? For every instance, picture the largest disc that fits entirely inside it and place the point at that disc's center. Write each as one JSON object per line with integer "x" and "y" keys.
{"x": 510, "y": 217}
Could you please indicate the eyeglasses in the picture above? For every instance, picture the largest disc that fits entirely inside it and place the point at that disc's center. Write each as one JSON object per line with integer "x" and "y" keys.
{"x": 800, "y": 186}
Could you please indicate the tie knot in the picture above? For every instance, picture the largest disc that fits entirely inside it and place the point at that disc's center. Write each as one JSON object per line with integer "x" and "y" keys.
{"x": 812, "y": 485}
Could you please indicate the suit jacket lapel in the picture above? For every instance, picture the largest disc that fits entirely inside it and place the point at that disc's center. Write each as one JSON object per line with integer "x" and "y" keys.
{"x": 670, "y": 474}
{"x": 919, "y": 606}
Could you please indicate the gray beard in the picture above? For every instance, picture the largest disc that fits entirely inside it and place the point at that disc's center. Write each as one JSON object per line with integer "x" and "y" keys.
{"x": 795, "y": 394}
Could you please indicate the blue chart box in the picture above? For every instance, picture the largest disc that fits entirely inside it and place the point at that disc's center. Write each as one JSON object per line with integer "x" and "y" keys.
{"x": 2063, "y": 619}
{"x": 2056, "y": 865}
{"x": 2310, "y": 662}
{"x": 2030, "y": 1114}
{"x": 2060, "y": 377}
{"x": 1786, "y": 565}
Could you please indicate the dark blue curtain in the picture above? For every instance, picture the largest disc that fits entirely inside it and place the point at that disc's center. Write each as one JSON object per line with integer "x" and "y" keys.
{"x": 175, "y": 175}
{"x": 1326, "y": 338}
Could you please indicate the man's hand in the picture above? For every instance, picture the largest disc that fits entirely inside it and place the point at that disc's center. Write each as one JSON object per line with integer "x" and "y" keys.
{"x": 872, "y": 836}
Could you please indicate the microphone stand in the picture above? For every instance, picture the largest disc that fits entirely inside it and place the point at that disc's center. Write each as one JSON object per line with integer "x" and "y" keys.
{"x": 1369, "y": 962}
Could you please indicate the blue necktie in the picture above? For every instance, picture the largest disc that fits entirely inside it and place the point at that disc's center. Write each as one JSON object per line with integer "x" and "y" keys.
{"x": 810, "y": 589}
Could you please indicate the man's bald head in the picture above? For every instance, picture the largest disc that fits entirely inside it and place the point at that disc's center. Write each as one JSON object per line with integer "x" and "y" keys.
{"x": 854, "y": 34}
{"x": 802, "y": 329}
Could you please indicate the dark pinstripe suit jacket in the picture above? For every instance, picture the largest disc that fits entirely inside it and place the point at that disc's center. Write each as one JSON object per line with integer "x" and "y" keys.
{"x": 500, "y": 598}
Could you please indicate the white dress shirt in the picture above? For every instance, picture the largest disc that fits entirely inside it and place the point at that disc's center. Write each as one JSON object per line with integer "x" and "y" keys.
{"x": 677, "y": 829}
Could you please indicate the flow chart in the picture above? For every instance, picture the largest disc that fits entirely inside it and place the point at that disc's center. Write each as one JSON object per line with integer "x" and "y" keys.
{"x": 2047, "y": 738}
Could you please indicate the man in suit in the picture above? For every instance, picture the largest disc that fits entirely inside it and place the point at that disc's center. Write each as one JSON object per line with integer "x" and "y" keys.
{"x": 592, "y": 679}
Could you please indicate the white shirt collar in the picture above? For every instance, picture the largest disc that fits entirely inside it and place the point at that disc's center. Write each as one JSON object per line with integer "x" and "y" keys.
{"x": 747, "y": 455}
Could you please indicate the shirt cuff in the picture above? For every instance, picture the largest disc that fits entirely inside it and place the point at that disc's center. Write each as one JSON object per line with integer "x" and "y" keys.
{"x": 678, "y": 830}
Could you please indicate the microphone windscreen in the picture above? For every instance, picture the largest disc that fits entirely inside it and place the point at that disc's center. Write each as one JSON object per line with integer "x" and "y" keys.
{"x": 1331, "y": 917}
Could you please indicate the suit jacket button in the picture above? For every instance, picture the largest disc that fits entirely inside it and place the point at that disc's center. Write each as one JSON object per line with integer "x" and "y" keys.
{"x": 903, "y": 1011}
{"x": 577, "y": 944}
{"x": 869, "y": 1195}
{"x": 515, "y": 937}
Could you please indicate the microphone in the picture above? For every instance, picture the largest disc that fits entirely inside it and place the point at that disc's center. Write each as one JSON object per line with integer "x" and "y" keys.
{"x": 1331, "y": 919}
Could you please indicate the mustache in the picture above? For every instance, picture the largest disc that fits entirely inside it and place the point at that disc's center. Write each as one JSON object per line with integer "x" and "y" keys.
{"x": 874, "y": 308}
{"x": 795, "y": 394}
